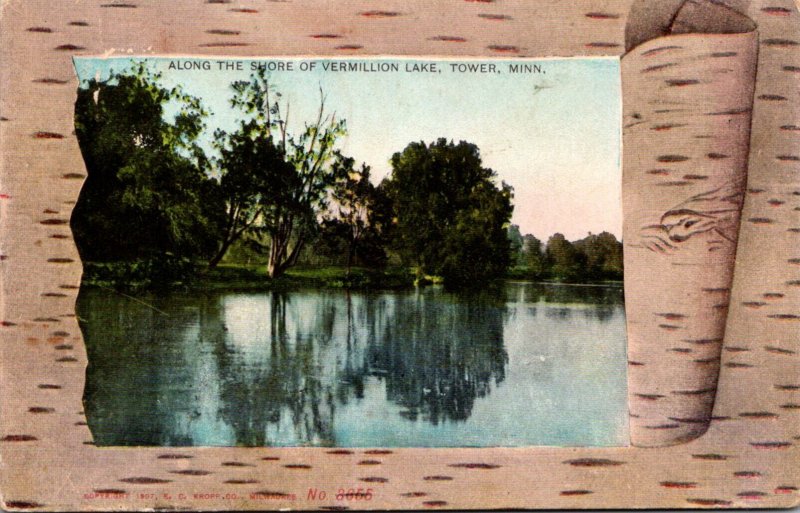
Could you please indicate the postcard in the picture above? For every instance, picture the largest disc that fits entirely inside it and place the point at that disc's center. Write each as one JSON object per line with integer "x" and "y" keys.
{"x": 475, "y": 256}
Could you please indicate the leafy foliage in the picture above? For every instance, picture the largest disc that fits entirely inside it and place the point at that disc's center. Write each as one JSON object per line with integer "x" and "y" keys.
{"x": 532, "y": 255}
{"x": 147, "y": 193}
{"x": 592, "y": 259}
{"x": 294, "y": 172}
{"x": 565, "y": 261}
{"x": 603, "y": 256}
{"x": 451, "y": 219}
{"x": 140, "y": 274}
{"x": 354, "y": 222}
{"x": 254, "y": 171}
{"x": 517, "y": 243}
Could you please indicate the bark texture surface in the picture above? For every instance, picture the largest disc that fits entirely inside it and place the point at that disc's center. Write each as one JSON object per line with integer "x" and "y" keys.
{"x": 749, "y": 456}
{"x": 688, "y": 102}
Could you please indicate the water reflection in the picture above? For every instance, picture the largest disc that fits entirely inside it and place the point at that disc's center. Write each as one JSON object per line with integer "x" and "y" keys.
{"x": 564, "y": 294}
{"x": 267, "y": 378}
{"x": 439, "y": 356}
{"x": 333, "y": 368}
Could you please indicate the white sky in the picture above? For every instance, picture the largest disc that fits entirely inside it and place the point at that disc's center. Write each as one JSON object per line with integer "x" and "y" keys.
{"x": 555, "y": 136}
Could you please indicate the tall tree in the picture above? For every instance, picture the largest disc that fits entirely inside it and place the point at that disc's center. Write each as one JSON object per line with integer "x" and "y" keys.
{"x": 293, "y": 195}
{"x": 355, "y": 230}
{"x": 352, "y": 205}
{"x": 249, "y": 165}
{"x": 451, "y": 218}
{"x": 517, "y": 243}
{"x": 603, "y": 254}
{"x": 147, "y": 193}
{"x": 533, "y": 256}
{"x": 566, "y": 263}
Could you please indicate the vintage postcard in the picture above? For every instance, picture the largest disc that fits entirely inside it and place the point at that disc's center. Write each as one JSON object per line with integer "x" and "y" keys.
{"x": 473, "y": 255}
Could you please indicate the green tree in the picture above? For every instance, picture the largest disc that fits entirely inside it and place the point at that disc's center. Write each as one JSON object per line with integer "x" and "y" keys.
{"x": 603, "y": 255}
{"x": 250, "y": 167}
{"x": 354, "y": 231}
{"x": 517, "y": 243}
{"x": 450, "y": 217}
{"x": 533, "y": 256}
{"x": 352, "y": 206}
{"x": 564, "y": 260}
{"x": 147, "y": 194}
{"x": 285, "y": 212}
{"x": 476, "y": 247}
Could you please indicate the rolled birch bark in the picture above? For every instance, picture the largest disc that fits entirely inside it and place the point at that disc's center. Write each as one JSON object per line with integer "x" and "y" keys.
{"x": 686, "y": 124}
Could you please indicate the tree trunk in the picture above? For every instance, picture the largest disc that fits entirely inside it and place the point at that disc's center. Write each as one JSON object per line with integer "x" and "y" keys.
{"x": 349, "y": 259}
{"x": 232, "y": 233}
{"x": 273, "y": 268}
{"x": 278, "y": 265}
{"x": 275, "y": 252}
{"x": 223, "y": 250}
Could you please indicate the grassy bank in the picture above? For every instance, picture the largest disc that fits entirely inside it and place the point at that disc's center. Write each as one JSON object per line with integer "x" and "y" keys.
{"x": 238, "y": 277}
{"x": 254, "y": 277}
{"x": 150, "y": 275}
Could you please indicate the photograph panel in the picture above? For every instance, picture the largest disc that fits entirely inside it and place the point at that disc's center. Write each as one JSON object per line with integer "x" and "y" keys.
{"x": 352, "y": 253}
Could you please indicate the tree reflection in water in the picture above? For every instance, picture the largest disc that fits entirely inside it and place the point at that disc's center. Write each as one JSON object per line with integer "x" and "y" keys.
{"x": 439, "y": 356}
{"x": 272, "y": 368}
{"x": 435, "y": 358}
{"x": 261, "y": 386}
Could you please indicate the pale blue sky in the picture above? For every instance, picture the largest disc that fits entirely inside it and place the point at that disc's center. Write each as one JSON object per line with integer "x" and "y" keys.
{"x": 554, "y": 136}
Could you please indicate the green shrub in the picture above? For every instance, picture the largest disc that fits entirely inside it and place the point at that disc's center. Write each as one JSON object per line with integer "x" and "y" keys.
{"x": 151, "y": 273}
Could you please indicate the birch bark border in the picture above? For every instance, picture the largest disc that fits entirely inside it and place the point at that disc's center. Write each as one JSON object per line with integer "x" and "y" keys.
{"x": 748, "y": 457}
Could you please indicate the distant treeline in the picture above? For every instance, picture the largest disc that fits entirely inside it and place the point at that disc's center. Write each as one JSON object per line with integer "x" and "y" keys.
{"x": 594, "y": 258}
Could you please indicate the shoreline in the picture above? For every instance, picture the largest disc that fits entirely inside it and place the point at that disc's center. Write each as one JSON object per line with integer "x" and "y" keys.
{"x": 243, "y": 278}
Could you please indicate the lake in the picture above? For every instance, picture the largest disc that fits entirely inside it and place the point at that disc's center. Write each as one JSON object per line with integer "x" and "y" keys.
{"x": 526, "y": 364}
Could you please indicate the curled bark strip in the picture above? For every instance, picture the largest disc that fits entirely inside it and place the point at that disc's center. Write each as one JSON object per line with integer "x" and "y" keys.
{"x": 380, "y": 14}
{"x": 602, "y": 16}
{"x": 711, "y": 457}
{"x": 495, "y": 17}
{"x": 709, "y": 502}
{"x": 682, "y": 201}
{"x": 771, "y": 445}
{"x": 270, "y": 494}
{"x": 679, "y": 485}
{"x": 373, "y": 479}
{"x": 47, "y": 135}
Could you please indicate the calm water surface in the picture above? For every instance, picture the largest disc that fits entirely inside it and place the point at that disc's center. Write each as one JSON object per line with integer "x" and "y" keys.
{"x": 526, "y": 365}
